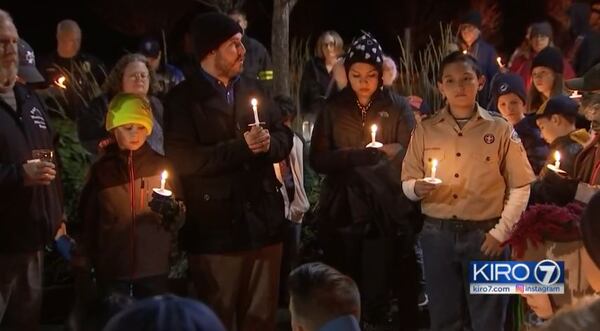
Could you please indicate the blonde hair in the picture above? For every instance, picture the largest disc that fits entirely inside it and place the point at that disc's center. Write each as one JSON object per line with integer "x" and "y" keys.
{"x": 337, "y": 41}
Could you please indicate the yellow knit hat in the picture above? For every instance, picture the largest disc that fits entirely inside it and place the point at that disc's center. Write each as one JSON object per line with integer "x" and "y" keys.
{"x": 127, "y": 108}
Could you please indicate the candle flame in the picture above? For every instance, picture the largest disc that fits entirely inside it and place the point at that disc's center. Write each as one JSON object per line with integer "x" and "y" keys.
{"x": 374, "y": 128}
{"x": 164, "y": 175}
{"x": 499, "y": 60}
{"x": 465, "y": 51}
{"x": 557, "y": 156}
{"x": 254, "y": 102}
{"x": 434, "y": 163}
{"x": 60, "y": 82}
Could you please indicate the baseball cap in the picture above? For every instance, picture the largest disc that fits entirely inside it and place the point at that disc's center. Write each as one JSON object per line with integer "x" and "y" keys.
{"x": 27, "y": 68}
{"x": 589, "y": 82}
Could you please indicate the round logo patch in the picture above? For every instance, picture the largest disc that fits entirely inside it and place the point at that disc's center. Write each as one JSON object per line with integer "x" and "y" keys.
{"x": 503, "y": 87}
{"x": 489, "y": 138}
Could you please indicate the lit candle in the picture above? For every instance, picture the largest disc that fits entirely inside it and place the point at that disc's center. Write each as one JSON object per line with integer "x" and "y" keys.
{"x": 163, "y": 179}
{"x": 254, "y": 103}
{"x": 60, "y": 82}
{"x": 434, "y": 164}
{"x": 465, "y": 51}
{"x": 499, "y": 60}
{"x": 373, "y": 133}
{"x": 575, "y": 95}
{"x": 557, "y": 160}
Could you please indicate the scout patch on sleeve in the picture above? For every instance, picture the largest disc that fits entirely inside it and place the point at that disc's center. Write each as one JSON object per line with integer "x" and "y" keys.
{"x": 489, "y": 138}
{"x": 514, "y": 136}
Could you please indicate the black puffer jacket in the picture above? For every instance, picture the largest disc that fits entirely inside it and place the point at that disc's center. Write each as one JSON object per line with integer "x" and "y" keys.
{"x": 362, "y": 190}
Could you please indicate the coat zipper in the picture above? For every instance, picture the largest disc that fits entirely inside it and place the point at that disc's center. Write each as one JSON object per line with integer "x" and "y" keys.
{"x": 132, "y": 230}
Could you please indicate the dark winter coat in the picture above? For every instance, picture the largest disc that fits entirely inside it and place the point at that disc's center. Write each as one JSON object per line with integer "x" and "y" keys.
{"x": 232, "y": 195}
{"x": 535, "y": 147}
{"x": 121, "y": 236}
{"x": 313, "y": 87}
{"x": 91, "y": 127}
{"x": 29, "y": 215}
{"x": 362, "y": 191}
{"x": 569, "y": 146}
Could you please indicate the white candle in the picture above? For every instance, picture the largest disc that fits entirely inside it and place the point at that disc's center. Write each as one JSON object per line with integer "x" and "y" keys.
{"x": 373, "y": 132}
{"x": 434, "y": 164}
{"x": 163, "y": 179}
{"x": 254, "y": 103}
{"x": 557, "y": 160}
{"x": 60, "y": 82}
{"x": 499, "y": 60}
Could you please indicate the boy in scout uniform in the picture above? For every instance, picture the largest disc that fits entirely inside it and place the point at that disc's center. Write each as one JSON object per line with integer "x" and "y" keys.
{"x": 485, "y": 187}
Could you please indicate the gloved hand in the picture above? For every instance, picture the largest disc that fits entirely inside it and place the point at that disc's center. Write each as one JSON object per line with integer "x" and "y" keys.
{"x": 64, "y": 246}
{"x": 170, "y": 209}
{"x": 365, "y": 157}
{"x": 564, "y": 186}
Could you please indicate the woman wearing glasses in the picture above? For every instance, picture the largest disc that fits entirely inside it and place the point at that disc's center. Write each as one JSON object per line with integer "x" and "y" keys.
{"x": 131, "y": 74}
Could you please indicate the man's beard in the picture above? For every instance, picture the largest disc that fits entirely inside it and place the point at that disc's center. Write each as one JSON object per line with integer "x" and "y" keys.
{"x": 8, "y": 76}
{"x": 229, "y": 69}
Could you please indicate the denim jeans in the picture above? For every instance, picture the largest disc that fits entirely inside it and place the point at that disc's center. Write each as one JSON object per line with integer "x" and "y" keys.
{"x": 446, "y": 256}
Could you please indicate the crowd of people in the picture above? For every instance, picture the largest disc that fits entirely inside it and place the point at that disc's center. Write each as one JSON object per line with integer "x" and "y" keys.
{"x": 204, "y": 170}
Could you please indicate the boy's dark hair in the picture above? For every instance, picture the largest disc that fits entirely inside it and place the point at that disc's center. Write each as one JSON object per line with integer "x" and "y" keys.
{"x": 320, "y": 293}
{"x": 455, "y": 57}
{"x": 286, "y": 107}
{"x": 569, "y": 118}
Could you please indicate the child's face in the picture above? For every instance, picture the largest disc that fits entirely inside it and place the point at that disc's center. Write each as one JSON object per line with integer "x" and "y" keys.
{"x": 364, "y": 79}
{"x": 511, "y": 107}
{"x": 131, "y": 136}
{"x": 549, "y": 128}
{"x": 543, "y": 79}
{"x": 460, "y": 84}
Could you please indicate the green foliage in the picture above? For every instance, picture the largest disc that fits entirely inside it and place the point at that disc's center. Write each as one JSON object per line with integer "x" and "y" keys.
{"x": 74, "y": 163}
{"x": 417, "y": 73}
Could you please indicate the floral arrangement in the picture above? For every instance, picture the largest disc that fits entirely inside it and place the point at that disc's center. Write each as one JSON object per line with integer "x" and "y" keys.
{"x": 545, "y": 222}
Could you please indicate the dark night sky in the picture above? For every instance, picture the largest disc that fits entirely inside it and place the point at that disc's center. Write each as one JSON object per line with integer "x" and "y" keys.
{"x": 104, "y": 21}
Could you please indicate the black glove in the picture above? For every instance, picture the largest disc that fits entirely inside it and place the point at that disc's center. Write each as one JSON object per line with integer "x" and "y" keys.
{"x": 168, "y": 207}
{"x": 365, "y": 157}
{"x": 562, "y": 186}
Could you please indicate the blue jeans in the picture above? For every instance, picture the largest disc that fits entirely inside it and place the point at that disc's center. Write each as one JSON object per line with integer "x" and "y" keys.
{"x": 446, "y": 255}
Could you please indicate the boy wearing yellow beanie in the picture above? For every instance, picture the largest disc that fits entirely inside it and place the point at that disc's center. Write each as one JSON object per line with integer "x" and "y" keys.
{"x": 128, "y": 243}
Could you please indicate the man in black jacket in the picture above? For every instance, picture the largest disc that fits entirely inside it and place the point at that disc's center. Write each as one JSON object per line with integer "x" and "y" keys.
{"x": 30, "y": 204}
{"x": 235, "y": 215}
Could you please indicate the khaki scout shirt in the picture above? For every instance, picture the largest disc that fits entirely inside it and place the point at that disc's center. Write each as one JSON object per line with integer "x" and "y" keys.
{"x": 476, "y": 165}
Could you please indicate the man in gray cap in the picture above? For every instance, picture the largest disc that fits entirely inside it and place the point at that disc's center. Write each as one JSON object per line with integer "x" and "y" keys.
{"x": 28, "y": 72}
{"x": 235, "y": 220}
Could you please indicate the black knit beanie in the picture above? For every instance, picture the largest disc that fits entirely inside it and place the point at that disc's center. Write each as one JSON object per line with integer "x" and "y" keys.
{"x": 210, "y": 30}
{"x": 365, "y": 49}
{"x": 549, "y": 57}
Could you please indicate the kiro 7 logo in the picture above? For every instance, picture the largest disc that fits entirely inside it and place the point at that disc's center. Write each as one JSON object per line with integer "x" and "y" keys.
{"x": 546, "y": 272}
